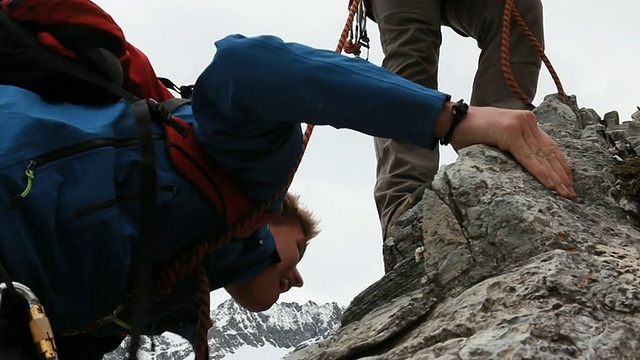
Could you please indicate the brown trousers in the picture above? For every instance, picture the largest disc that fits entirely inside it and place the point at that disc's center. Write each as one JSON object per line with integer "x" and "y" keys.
{"x": 411, "y": 38}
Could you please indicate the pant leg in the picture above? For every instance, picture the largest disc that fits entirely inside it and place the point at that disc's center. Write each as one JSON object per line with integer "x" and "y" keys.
{"x": 482, "y": 20}
{"x": 410, "y": 37}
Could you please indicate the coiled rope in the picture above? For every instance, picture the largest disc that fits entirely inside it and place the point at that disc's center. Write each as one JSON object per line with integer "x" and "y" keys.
{"x": 189, "y": 261}
{"x": 510, "y": 9}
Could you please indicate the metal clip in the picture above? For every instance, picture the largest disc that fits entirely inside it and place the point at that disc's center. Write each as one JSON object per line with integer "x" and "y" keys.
{"x": 38, "y": 322}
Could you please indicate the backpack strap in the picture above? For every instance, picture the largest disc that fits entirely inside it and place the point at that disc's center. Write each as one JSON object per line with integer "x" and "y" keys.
{"x": 144, "y": 250}
{"x": 191, "y": 163}
{"x": 185, "y": 91}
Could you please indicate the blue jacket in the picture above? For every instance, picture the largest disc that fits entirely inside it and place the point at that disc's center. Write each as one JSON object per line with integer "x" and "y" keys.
{"x": 70, "y": 237}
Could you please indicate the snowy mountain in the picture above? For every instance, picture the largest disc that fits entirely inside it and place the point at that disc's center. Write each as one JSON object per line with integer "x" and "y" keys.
{"x": 238, "y": 334}
{"x": 284, "y": 326}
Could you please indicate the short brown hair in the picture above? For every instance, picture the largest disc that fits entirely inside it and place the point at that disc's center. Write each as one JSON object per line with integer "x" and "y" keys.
{"x": 292, "y": 210}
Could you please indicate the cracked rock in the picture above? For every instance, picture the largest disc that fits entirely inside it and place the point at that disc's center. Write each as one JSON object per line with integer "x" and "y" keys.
{"x": 507, "y": 268}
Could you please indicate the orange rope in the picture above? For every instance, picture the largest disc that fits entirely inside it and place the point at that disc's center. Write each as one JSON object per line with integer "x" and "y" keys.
{"x": 510, "y": 9}
{"x": 190, "y": 261}
{"x": 205, "y": 322}
{"x": 341, "y": 41}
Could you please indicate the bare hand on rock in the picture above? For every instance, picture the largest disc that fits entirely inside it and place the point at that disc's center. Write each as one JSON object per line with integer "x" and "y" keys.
{"x": 517, "y": 132}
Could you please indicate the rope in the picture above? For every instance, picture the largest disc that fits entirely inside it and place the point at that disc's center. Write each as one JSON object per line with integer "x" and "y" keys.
{"x": 510, "y": 9}
{"x": 358, "y": 37}
{"x": 189, "y": 261}
{"x": 205, "y": 322}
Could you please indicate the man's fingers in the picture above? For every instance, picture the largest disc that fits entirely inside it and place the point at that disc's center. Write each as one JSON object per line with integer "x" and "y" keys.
{"x": 531, "y": 162}
{"x": 541, "y": 157}
{"x": 556, "y": 157}
{"x": 559, "y": 163}
{"x": 554, "y": 161}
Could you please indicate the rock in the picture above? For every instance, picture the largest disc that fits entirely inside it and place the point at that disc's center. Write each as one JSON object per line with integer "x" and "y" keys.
{"x": 402, "y": 273}
{"x": 595, "y": 133}
{"x": 571, "y": 101}
{"x": 611, "y": 118}
{"x": 496, "y": 266}
{"x": 588, "y": 117}
{"x": 634, "y": 142}
{"x": 636, "y": 114}
{"x": 562, "y": 118}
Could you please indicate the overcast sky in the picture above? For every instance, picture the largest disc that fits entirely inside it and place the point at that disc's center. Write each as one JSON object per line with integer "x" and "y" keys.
{"x": 592, "y": 44}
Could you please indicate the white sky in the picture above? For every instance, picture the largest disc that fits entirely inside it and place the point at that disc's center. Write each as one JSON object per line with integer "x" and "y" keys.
{"x": 592, "y": 44}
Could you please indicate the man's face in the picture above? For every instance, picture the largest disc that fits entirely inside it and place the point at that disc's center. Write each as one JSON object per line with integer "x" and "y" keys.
{"x": 263, "y": 290}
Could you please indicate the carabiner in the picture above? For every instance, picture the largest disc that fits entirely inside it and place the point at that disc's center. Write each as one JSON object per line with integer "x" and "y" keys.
{"x": 38, "y": 324}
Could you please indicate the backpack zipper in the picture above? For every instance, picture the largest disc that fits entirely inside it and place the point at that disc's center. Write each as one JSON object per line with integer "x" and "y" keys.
{"x": 70, "y": 151}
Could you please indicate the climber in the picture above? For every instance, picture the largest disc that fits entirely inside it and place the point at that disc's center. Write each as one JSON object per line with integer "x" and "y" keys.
{"x": 410, "y": 34}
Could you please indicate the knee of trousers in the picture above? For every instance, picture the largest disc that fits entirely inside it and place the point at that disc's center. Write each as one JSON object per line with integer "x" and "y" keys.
{"x": 531, "y": 12}
{"x": 488, "y": 31}
{"x": 399, "y": 163}
{"x": 402, "y": 168}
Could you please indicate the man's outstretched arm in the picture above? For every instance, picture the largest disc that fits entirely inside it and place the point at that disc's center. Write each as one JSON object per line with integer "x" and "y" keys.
{"x": 249, "y": 102}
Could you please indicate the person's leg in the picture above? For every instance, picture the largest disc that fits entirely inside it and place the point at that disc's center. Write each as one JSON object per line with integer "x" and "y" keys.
{"x": 482, "y": 20}
{"x": 410, "y": 36}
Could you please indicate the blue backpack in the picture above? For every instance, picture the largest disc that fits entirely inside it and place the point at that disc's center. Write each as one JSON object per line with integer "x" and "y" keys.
{"x": 112, "y": 148}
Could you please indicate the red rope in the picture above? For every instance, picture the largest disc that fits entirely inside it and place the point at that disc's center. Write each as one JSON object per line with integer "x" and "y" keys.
{"x": 352, "y": 48}
{"x": 510, "y": 9}
{"x": 189, "y": 261}
{"x": 205, "y": 322}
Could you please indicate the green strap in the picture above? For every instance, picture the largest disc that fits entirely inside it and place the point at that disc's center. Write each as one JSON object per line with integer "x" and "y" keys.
{"x": 30, "y": 177}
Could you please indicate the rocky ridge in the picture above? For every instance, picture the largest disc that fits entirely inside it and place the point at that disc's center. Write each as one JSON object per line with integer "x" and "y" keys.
{"x": 491, "y": 265}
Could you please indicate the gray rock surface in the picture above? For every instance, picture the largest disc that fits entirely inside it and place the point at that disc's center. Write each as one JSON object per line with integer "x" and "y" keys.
{"x": 612, "y": 118}
{"x": 491, "y": 265}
